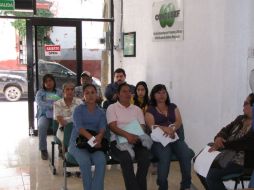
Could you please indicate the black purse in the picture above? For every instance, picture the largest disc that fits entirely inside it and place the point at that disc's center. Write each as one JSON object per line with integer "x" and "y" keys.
{"x": 81, "y": 142}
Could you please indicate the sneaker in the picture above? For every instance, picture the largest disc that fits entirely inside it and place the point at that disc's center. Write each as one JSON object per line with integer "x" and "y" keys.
{"x": 44, "y": 154}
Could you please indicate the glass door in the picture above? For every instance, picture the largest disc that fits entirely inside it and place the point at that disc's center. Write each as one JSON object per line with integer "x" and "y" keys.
{"x": 53, "y": 47}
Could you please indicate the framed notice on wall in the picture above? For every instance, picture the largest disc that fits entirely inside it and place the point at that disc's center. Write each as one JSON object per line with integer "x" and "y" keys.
{"x": 129, "y": 44}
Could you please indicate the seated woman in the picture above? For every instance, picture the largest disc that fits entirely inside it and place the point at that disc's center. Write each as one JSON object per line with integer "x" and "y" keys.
{"x": 238, "y": 137}
{"x": 45, "y": 97}
{"x": 64, "y": 108}
{"x": 89, "y": 117}
{"x": 164, "y": 114}
{"x": 119, "y": 115}
{"x": 141, "y": 97}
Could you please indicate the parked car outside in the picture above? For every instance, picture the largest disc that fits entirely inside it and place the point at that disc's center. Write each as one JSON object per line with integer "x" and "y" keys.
{"x": 14, "y": 85}
{"x": 60, "y": 72}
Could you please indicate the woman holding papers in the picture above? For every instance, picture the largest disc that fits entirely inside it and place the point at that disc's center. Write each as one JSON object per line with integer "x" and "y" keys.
{"x": 88, "y": 119}
{"x": 45, "y": 97}
{"x": 235, "y": 141}
{"x": 125, "y": 121}
{"x": 164, "y": 116}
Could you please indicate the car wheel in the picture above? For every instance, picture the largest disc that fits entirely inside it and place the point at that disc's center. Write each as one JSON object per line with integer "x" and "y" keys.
{"x": 12, "y": 93}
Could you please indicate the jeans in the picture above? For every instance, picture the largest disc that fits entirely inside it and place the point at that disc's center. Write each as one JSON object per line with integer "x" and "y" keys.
{"x": 214, "y": 177}
{"x": 251, "y": 184}
{"x": 85, "y": 160}
{"x": 182, "y": 152}
{"x": 43, "y": 125}
{"x": 142, "y": 156}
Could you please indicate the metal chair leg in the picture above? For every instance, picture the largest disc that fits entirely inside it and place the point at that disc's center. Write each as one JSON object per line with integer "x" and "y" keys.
{"x": 65, "y": 176}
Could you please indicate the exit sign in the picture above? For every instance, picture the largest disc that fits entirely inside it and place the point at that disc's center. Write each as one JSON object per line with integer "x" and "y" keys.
{"x": 7, "y": 4}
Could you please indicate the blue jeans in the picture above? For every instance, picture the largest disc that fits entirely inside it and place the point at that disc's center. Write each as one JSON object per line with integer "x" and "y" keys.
{"x": 43, "y": 125}
{"x": 251, "y": 184}
{"x": 182, "y": 151}
{"x": 214, "y": 177}
{"x": 85, "y": 160}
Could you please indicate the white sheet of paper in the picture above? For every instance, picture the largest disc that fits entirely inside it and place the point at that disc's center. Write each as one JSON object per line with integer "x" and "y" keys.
{"x": 158, "y": 136}
{"x": 91, "y": 142}
{"x": 204, "y": 161}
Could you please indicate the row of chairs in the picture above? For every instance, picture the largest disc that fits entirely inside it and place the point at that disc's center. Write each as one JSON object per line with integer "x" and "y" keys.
{"x": 69, "y": 160}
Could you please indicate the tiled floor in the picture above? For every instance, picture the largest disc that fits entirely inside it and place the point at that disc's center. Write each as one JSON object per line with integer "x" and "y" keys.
{"x": 21, "y": 167}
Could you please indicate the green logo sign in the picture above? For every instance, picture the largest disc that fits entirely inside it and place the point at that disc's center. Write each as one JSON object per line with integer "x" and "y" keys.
{"x": 6, "y": 4}
{"x": 167, "y": 15}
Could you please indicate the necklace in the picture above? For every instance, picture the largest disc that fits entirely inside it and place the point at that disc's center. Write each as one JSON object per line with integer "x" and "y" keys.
{"x": 162, "y": 111}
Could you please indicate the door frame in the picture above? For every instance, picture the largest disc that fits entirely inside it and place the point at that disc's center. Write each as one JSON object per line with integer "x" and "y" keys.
{"x": 32, "y": 57}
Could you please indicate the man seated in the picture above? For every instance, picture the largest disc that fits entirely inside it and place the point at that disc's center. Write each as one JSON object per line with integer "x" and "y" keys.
{"x": 111, "y": 89}
{"x": 239, "y": 139}
{"x": 86, "y": 78}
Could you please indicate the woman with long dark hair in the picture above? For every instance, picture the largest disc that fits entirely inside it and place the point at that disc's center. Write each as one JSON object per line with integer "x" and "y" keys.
{"x": 141, "y": 98}
{"x": 45, "y": 97}
{"x": 89, "y": 120}
{"x": 165, "y": 115}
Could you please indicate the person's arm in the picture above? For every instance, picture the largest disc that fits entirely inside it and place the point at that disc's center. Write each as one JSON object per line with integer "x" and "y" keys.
{"x": 225, "y": 131}
{"x": 149, "y": 120}
{"x": 110, "y": 93}
{"x": 39, "y": 98}
{"x": 221, "y": 138}
{"x": 132, "y": 139}
{"x": 244, "y": 143}
{"x": 178, "y": 120}
{"x": 102, "y": 128}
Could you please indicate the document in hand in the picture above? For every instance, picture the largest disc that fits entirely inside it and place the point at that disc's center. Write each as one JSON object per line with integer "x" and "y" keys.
{"x": 158, "y": 136}
{"x": 133, "y": 128}
{"x": 204, "y": 161}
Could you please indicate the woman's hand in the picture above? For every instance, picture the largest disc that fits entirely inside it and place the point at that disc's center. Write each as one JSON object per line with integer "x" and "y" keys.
{"x": 218, "y": 143}
{"x": 132, "y": 139}
{"x": 168, "y": 131}
{"x": 98, "y": 139}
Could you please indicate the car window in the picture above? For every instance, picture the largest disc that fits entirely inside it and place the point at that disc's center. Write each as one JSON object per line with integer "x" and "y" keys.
{"x": 56, "y": 69}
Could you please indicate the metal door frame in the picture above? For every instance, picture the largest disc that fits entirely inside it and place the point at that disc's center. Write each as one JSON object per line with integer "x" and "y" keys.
{"x": 32, "y": 56}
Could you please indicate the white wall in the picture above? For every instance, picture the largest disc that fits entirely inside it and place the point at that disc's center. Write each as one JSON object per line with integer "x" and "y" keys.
{"x": 7, "y": 43}
{"x": 206, "y": 73}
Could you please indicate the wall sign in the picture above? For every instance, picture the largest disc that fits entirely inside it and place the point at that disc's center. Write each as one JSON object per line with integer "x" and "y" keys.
{"x": 7, "y": 5}
{"x": 168, "y": 20}
{"x": 129, "y": 44}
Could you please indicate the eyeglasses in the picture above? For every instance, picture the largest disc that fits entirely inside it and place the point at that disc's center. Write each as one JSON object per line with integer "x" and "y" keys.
{"x": 246, "y": 103}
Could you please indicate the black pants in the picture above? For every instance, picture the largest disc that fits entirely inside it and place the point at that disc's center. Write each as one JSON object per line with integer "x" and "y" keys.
{"x": 214, "y": 179}
{"x": 142, "y": 156}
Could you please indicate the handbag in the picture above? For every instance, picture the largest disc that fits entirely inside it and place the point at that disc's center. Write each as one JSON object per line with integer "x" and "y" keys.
{"x": 81, "y": 142}
{"x": 225, "y": 157}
